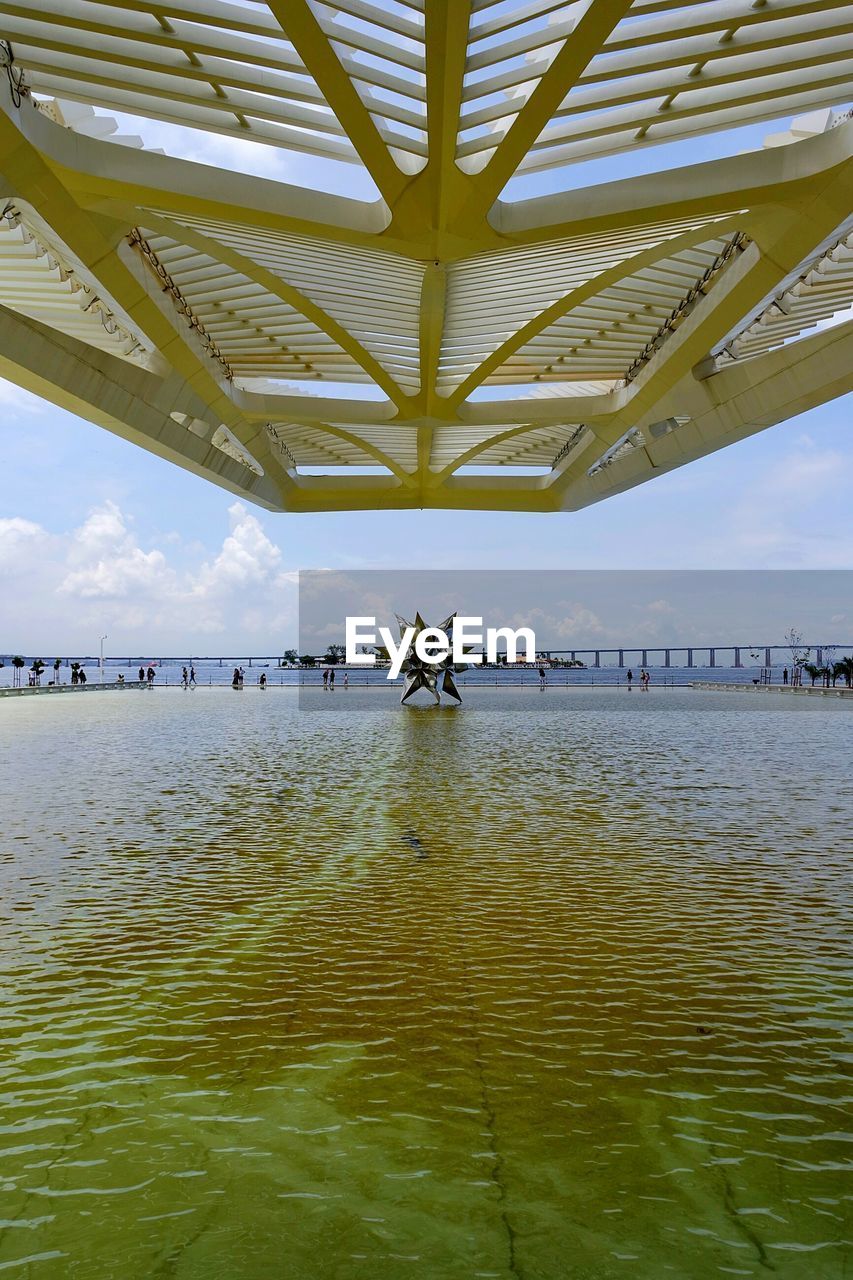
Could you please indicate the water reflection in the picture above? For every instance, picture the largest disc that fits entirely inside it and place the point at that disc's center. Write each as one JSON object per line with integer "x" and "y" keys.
{"x": 553, "y": 986}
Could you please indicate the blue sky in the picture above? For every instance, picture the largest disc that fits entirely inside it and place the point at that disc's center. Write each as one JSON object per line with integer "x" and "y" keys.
{"x": 98, "y": 536}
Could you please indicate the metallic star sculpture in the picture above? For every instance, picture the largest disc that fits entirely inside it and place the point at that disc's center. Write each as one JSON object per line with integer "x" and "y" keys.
{"x": 435, "y": 677}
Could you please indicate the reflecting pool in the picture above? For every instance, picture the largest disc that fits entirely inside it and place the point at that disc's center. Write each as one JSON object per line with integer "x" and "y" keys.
{"x": 555, "y": 985}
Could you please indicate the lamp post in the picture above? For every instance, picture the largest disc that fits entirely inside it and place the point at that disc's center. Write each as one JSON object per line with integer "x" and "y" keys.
{"x": 103, "y": 638}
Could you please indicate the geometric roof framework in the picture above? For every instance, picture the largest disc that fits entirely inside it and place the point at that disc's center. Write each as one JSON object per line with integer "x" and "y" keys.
{"x": 535, "y": 354}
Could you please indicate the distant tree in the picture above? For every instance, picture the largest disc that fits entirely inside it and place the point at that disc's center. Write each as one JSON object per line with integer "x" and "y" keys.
{"x": 307, "y": 660}
{"x": 37, "y": 668}
{"x": 57, "y": 663}
{"x": 839, "y": 671}
{"x": 18, "y": 663}
{"x": 290, "y": 655}
{"x": 812, "y": 670}
{"x": 382, "y": 654}
{"x": 800, "y": 654}
{"x": 335, "y": 653}
{"x": 846, "y": 665}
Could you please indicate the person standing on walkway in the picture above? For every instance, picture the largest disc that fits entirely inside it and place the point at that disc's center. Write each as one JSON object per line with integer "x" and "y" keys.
{"x": 150, "y": 674}
{"x": 81, "y": 676}
{"x": 346, "y": 679}
{"x": 785, "y": 676}
{"x": 185, "y": 678}
{"x": 141, "y": 675}
{"x": 541, "y": 677}
{"x": 262, "y": 680}
{"x": 326, "y": 679}
{"x": 193, "y": 680}
{"x": 630, "y": 678}
{"x": 332, "y": 680}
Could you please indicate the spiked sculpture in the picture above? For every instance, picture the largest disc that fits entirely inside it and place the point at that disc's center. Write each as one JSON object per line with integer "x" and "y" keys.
{"x": 474, "y": 344}
{"x": 435, "y": 677}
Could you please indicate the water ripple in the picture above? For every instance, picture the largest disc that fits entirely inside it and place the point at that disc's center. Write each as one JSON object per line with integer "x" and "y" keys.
{"x": 552, "y": 986}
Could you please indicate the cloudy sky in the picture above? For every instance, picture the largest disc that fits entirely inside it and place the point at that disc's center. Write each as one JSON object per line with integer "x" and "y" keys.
{"x": 97, "y": 536}
{"x": 581, "y": 609}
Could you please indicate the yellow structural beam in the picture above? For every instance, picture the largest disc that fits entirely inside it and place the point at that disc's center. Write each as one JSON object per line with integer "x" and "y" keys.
{"x": 253, "y": 330}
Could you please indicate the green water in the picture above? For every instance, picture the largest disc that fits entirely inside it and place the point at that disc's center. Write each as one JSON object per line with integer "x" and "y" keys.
{"x": 556, "y": 985}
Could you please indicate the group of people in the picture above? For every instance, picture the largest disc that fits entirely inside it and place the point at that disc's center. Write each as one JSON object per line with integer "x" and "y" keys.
{"x": 147, "y": 675}
{"x": 78, "y": 675}
{"x": 238, "y": 677}
{"x": 329, "y": 679}
{"x": 188, "y": 680}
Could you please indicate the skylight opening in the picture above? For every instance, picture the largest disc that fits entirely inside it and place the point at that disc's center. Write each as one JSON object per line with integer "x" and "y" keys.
{"x": 342, "y": 25}
{"x": 644, "y": 161}
{"x": 489, "y": 469}
{"x": 539, "y": 390}
{"x": 324, "y": 471}
{"x": 245, "y": 156}
{"x": 831, "y": 322}
{"x": 314, "y": 387}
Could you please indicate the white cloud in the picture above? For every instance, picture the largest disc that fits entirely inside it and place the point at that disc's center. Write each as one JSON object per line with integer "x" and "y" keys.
{"x": 19, "y": 539}
{"x": 111, "y": 565}
{"x": 247, "y": 555}
{"x": 578, "y": 623}
{"x": 98, "y": 577}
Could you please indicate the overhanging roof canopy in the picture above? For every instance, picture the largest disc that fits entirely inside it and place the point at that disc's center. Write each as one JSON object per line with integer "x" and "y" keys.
{"x": 535, "y": 354}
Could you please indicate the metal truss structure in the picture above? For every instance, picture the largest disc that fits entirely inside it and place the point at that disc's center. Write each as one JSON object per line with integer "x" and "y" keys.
{"x": 535, "y": 354}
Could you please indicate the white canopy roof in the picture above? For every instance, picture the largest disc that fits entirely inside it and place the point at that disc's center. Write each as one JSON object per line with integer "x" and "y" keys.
{"x": 462, "y": 349}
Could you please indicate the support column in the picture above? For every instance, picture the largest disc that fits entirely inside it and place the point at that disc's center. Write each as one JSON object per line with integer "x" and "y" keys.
{"x": 690, "y": 657}
{"x": 621, "y": 657}
{"x": 819, "y": 657}
{"x": 767, "y": 661}
{"x": 712, "y": 657}
{"x": 645, "y": 658}
{"x": 666, "y": 661}
{"x": 597, "y": 662}
{"x": 738, "y": 662}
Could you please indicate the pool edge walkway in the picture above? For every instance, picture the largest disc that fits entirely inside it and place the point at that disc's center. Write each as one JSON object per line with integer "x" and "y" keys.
{"x": 819, "y": 691}
{"x": 70, "y": 688}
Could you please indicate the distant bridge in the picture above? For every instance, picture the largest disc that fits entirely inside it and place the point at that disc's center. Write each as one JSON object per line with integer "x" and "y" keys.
{"x": 754, "y": 651}
{"x": 767, "y": 655}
